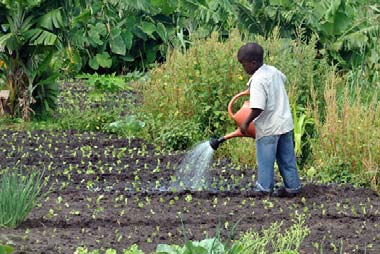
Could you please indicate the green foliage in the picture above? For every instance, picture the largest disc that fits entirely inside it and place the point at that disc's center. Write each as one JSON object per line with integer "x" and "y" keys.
{"x": 275, "y": 239}
{"x": 85, "y": 108}
{"x": 178, "y": 135}
{"x": 4, "y": 249}
{"x": 19, "y": 194}
{"x": 109, "y": 36}
{"x": 31, "y": 32}
{"x": 344, "y": 148}
{"x": 302, "y": 123}
{"x": 130, "y": 126}
{"x": 188, "y": 87}
{"x": 105, "y": 83}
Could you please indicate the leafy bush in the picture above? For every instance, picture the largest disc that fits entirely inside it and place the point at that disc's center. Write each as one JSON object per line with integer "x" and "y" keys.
{"x": 19, "y": 194}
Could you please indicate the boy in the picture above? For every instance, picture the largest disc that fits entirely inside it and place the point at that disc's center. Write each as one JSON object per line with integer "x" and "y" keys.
{"x": 273, "y": 123}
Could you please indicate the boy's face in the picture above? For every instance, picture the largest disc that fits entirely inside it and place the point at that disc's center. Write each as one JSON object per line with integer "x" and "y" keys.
{"x": 250, "y": 67}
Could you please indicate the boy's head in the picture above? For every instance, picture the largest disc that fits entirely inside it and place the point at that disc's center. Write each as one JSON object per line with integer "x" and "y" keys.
{"x": 251, "y": 56}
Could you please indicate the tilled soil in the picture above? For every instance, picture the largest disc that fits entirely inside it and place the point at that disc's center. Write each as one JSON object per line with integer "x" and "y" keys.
{"x": 110, "y": 192}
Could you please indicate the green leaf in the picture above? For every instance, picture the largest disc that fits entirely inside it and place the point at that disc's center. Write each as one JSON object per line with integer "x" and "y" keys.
{"x": 93, "y": 63}
{"x": 161, "y": 30}
{"x": 51, "y": 20}
{"x": 104, "y": 60}
{"x": 117, "y": 45}
{"x": 151, "y": 54}
{"x": 38, "y": 36}
{"x": 96, "y": 32}
{"x": 168, "y": 249}
{"x": 128, "y": 58}
{"x": 128, "y": 39}
{"x": 194, "y": 247}
{"x": 166, "y": 7}
{"x": 148, "y": 28}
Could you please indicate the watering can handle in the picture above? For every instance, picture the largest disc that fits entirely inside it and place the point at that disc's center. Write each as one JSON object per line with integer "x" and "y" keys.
{"x": 246, "y": 92}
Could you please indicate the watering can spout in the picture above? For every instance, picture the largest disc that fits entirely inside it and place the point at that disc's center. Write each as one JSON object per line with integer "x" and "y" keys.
{"x": 215, "y": 142}
{"x": 239, "y": 117}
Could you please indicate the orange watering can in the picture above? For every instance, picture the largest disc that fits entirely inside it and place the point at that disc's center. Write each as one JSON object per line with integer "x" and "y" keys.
{"x": 239, "y": 117}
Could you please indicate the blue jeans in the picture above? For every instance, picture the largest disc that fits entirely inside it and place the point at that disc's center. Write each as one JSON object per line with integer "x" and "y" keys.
{"x": 278, "y": 148}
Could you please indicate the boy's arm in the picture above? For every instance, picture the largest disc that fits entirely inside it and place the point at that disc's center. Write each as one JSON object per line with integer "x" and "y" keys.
{"x": 255, "y": 112}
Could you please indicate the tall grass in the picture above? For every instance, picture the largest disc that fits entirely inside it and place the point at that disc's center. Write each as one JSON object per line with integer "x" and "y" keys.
{"x": 19, "y": 193}
{"x": 347, "y": 149}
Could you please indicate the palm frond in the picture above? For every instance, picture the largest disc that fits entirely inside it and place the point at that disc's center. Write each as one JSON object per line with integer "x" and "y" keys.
{"x": 39, "y": 36}
{"x": 52, "y": 19}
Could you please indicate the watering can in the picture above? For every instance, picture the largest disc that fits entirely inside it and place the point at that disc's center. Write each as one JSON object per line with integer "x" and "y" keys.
{"x": 239, "y": 117}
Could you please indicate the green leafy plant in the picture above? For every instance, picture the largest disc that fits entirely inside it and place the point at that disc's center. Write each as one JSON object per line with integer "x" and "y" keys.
{"x": 109, "y": 36}
{"x": 19, "y": 194}
{"x": 31, "y": 32}
{"x": 130, "y": 126}
{"x": 105, "y": 83}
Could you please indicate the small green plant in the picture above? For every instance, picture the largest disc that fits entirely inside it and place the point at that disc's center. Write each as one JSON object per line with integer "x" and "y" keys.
{"x": 108, "y": 82}
{"x": 129, "y": 126}
{"x": 19, "y": 194}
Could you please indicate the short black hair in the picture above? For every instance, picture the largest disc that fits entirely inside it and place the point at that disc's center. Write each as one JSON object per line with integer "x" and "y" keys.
{"x": 251, "y": 52}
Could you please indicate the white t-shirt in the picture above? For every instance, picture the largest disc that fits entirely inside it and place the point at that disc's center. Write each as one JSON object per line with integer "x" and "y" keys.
{"x": 267, "y": 92}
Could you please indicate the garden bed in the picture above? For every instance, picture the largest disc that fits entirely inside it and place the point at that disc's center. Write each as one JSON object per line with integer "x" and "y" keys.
{"x": 113, "y": 192}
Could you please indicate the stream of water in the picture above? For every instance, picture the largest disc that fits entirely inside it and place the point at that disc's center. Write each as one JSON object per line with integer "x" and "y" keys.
{"x": 193, "y": 170}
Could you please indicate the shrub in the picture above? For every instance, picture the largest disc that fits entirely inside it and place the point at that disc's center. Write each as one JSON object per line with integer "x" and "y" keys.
{"x": 19, "y": 194}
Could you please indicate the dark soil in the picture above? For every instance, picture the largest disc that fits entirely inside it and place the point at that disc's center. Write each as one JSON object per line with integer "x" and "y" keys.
{"x": 105, "y": 194}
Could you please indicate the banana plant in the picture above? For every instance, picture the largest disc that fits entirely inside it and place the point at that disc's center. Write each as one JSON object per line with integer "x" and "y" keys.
{"x": 31, "y": 31}
{"x": 348, "y": 30}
